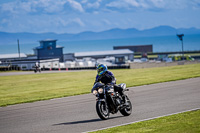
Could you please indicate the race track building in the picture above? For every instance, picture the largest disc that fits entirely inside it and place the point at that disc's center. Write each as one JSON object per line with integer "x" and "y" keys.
{"x": 136, "y": 48}
{"x": 48, "y": 50}
{"x": 120, "y": 56}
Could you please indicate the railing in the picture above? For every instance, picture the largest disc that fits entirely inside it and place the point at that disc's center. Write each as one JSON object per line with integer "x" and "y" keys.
{"x": 8, "y": 68}
{"x": 124, "y": 66}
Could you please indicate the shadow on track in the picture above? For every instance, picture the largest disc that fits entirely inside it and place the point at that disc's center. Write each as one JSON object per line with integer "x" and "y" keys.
{"x": 78, "y": 122}
{"x": 83, "y": 121}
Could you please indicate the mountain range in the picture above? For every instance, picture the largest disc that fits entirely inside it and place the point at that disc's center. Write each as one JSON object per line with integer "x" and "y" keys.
{"x": 25, "y": 37}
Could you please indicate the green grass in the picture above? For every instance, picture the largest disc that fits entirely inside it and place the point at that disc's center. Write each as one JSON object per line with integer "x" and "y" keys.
{"x": 188, "y": 122}
{"x": 28, "y": 88}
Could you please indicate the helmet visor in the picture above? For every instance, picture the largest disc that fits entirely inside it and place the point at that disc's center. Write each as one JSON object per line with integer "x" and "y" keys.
{"x": 99, "y": 70}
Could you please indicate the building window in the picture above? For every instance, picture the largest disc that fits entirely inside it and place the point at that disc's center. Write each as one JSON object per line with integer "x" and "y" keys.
{"x": 49, "y": 48}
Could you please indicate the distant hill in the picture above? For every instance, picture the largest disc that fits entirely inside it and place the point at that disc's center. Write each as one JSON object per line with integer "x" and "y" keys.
{"x": 10, "y": 38}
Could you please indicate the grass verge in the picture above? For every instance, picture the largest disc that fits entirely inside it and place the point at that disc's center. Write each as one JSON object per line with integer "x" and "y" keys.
{"x": 188, "y": 122}
{"x": 28, "y": 88}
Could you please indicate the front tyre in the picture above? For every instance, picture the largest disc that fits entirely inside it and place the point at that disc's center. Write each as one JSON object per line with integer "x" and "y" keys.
{"x": 128, "y": 109}
{"x": 102, "y": 110}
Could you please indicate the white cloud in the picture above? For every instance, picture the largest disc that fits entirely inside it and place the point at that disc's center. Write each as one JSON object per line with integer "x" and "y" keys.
{"x": 117, "y": 4}
{"x": 153, "y": 4}
{"x": 133, "y": 3}
{"x": 158, "y": 3}
{"x": 76, "y": 5}
{"x": 58, "y": 6}
{"x": 65, "y": 22}
{"x": 51, "y": 7}
{"x": 78, "y": 21}
{"x": 84, "y": 1}
{"x": 94, "y": 5}
{"x": 8, "y": 7}
{"x": 40, "y": 6}
{"x": 95, "y": 15}
{"x": 106, "y": 21}
{"x": 125, "y": 4}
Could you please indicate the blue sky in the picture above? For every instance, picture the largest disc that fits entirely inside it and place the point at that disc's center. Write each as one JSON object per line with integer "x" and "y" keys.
{"x": 74, "y": 16}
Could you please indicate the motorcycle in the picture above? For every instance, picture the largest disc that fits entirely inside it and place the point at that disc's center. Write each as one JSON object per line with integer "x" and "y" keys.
{"x": 37, "y": 69}
{"x": 109, "y": 101}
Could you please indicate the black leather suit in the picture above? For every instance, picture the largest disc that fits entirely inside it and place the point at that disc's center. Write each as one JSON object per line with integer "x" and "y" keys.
{"x": 108, "y": 78}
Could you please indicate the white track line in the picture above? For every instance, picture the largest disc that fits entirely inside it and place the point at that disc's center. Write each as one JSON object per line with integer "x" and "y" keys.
{"x": 142, "y": 120}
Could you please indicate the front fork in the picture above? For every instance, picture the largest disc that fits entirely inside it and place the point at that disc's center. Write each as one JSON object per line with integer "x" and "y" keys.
{"x": 103, "y": 100}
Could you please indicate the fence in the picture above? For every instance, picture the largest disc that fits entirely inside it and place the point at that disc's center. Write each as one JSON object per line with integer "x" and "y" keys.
{"x": 137, "y": 65}
{"x": 9, "y": 68}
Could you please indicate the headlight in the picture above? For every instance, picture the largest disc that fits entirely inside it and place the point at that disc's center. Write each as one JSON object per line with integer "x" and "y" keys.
{"x": 100, "y": 90}
{"x": 94, "y": 92}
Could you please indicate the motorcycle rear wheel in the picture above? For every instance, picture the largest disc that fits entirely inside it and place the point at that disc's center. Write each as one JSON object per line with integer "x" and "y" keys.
{"x": 128, "y": 109}
{"x": 102, "y": 110}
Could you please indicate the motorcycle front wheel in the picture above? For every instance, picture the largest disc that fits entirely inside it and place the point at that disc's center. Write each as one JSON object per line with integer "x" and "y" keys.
{"x": 102, "y": 110}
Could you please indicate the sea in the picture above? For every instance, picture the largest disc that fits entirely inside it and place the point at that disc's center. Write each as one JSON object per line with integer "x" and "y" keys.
{"x": 160, "y": 44}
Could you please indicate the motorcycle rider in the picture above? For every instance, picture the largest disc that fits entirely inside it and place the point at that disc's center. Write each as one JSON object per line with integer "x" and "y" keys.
{"x": 107, "y": 77}
{"x": 37, "y": 66}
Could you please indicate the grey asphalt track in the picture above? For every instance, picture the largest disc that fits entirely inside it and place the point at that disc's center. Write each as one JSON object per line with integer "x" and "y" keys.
{"x": 77, "y": 113}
